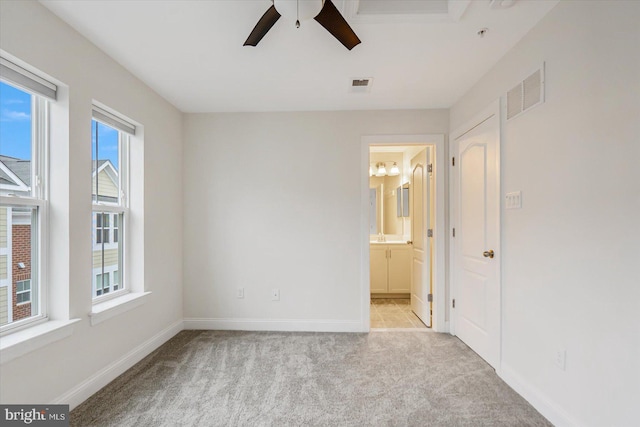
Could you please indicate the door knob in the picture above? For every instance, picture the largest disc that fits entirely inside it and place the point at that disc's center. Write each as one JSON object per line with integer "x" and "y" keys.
{"x": 488, "y": 254}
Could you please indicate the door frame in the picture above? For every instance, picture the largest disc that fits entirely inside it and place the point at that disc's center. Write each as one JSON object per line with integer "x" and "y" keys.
{"x": 439, "y": 232}
{"x": 493, "y": 109}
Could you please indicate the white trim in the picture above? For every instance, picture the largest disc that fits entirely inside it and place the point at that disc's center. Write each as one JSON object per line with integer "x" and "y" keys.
{"x": 27, "y": 340}
{"x": 91, "y": 385}
{"x": 110, "y": 208}
{"x": 115, "y": 306}
{"x": 439, "y": 233}
{"x": 550, "y": 410}
{"x": 289, "y": 325}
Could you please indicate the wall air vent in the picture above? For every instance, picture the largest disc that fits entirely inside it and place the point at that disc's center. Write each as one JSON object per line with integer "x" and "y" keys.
{"x": 362, "y": 85}
{"x": 526, "y": 95}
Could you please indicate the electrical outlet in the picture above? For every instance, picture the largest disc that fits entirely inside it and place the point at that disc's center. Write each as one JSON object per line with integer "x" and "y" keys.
{"x": 240, "y": 293}
{"x": 275, "y": 294}
{"x": 561, "y": 359}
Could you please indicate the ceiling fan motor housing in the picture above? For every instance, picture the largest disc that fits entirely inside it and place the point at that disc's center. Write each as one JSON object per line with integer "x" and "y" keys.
{"x": 298, "y": 9}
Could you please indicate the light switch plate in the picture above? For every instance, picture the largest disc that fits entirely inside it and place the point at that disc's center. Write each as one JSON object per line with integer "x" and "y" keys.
{"x": 514, "y": 200}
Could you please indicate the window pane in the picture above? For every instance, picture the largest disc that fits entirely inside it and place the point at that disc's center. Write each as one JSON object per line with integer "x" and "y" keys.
{"x": 18, "y": 263}
{"x": 107, "y": 254}
{"x": 15, "y": 140}
{"x": 105, "y": 153}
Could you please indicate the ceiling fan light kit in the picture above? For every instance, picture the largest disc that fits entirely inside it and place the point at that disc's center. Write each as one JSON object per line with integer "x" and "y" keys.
{"x": 322, "y": 11}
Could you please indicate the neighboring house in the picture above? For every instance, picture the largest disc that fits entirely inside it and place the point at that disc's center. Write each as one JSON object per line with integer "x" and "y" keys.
{"x": 16, "y": 291}
{"x": 105, "y": 276}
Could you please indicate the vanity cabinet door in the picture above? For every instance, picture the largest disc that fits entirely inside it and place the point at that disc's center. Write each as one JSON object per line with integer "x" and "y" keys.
{"x": 378, "y": 268}
{"x": 399, "y": 269}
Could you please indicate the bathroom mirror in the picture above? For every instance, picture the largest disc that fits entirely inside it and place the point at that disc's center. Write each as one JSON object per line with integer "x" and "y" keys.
{"x": 388, "y": 205}
{"x": 402, "y": 200}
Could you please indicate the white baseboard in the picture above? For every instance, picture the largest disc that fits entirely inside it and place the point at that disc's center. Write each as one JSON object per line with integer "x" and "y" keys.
{"x": 550, "y": 410}
{"x": 90, "y": 386}
{"x": 275, "y": 325}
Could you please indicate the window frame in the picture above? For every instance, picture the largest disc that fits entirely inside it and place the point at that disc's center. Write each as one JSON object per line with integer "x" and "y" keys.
{"x": 38, "y": 199}
{"x": 120, "y": 209}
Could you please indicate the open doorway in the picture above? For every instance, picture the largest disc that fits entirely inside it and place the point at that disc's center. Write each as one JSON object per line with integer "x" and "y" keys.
{"x": 404, "y": 232}
{"x": 400, "y": 221}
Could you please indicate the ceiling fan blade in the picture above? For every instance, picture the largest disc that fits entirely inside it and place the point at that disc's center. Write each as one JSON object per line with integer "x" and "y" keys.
{"x": 332, "y": 21}
{"x": 263, "y": 26}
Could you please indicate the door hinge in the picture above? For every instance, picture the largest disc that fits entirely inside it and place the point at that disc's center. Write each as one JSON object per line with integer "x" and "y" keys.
{"x": 454, "y": 232}
{"x": 454, "y": 303}
{"x": 429, "y": 233}
{"x": 430, "y": 168}
{"x": 430, "y": 298}
{"x": 453, "y": 161}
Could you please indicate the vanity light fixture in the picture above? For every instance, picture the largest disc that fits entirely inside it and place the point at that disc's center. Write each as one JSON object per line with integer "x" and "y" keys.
{"x": 382, "y": 169}
{"x": 371, "y": 171}
{"x": 394, "y": 170}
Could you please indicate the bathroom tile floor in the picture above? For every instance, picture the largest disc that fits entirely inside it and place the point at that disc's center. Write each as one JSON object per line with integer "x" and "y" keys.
{"x": 393, "y": 313}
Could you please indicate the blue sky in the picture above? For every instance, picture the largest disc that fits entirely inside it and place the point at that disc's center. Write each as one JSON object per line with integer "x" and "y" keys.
{"x": 15, "y": 122}
{"x": 107, "y": 143}
{"x": 15, "y": 128}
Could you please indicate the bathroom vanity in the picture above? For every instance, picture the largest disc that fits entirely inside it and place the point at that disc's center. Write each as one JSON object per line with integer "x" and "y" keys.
{"x": 390, "y": 267}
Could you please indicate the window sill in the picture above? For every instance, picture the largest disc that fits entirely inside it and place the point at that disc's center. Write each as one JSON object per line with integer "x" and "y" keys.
{"x": 113, "y": 307}
{"x": 27, "y": 340}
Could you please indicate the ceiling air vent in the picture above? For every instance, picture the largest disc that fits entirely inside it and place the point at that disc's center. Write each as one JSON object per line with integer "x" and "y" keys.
{"x": 526, "y": 95}
{"x": 361, "y": 85}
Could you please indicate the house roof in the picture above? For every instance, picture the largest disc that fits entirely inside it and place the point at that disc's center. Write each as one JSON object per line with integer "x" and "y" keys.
{"x": 21, "y": 168}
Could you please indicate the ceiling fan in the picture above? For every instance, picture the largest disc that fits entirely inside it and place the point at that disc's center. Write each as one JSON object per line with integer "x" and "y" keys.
{"x": 323, "y": 11}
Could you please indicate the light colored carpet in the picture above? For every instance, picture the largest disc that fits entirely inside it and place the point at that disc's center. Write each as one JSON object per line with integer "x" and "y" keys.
{"x": 224, "y": 378}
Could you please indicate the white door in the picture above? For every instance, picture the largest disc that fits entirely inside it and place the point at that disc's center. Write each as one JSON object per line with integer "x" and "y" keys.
{"x": 420, "y": 218}
{"x": 477, "y": 239}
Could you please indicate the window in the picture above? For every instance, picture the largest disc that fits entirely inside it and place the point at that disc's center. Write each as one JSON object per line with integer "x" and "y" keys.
{"x": 102, "y": 284}
{"x": 102, "y": 228}
{"x": 110, "y": 158}
{"x": 24, "y": 100}
{"x": 23, "y": 291}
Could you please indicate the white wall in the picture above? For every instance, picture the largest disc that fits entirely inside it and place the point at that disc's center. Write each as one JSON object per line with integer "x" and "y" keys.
{"x": 272, "y": 200}
{"x": 570, "y": 255}
{"x": 31, "y": 33}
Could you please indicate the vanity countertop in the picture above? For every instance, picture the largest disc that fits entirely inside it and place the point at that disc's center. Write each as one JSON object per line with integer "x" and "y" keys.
{"x": 390, "y": 242}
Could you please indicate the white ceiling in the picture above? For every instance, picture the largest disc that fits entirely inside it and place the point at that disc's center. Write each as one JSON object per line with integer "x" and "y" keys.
{"x": 191, "y": 52}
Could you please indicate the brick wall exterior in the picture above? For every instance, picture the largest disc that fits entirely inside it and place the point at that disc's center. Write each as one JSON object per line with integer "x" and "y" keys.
{"x": 21, "y": 248}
